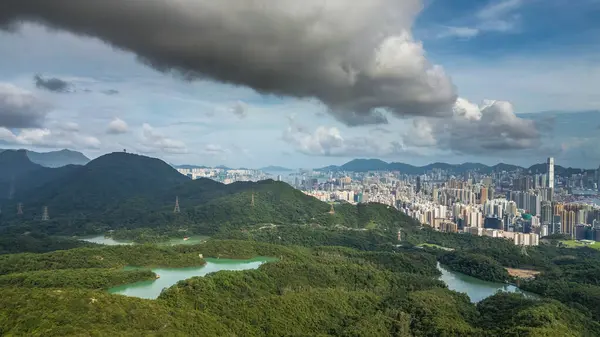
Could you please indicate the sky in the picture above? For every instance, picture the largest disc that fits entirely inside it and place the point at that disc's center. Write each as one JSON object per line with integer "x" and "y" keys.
{"x": 304, "y": 84}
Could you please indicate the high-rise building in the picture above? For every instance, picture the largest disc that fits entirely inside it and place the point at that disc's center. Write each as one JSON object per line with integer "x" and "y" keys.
{"x": 491, "y": 193}
{"x": 418, "y": 188}
{"x": 546, "y": 213}
{"x": 568, "y": 223}
{"x": 598, "y": 178}
{"x": 551, "y": 172}
{"x": 483, "y": 196}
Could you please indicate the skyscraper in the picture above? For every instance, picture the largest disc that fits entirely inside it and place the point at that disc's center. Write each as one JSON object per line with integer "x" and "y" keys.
{"x": 551, "y": 172}
{"x": 598, "y": 178}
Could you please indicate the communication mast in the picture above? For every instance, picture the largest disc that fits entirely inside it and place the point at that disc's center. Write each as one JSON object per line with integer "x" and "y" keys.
{"x": 176, "y": 210}
{"x": 45, "y": 216}
{"x": 20, "y": 209}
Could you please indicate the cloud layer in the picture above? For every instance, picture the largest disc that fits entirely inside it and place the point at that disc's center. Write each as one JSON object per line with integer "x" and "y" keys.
{"x": 154, "y": 141}
{"x": 20, "y": 108}
{"x": 475, "y": 129}
{"x": 354, "y": 59}
{"x": 49, "y": 139}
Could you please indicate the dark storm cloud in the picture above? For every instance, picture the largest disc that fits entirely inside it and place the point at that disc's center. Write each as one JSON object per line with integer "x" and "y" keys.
{"x": 355, "y": 57}
{"x": 52, "y": 84}
{"x": 20, "y": 108}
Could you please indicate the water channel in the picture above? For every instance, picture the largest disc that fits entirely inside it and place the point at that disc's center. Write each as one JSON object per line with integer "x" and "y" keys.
{"x": 475, "y": 288}
{"x": 101, "y": 239}
{"x": 170, "y": 276}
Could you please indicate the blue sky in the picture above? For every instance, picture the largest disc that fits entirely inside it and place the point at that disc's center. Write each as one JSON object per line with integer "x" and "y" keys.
{"x": 541, "y": 56}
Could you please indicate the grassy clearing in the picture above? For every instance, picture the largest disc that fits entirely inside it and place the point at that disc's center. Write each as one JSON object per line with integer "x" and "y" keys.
{"x": 577, "y": 244}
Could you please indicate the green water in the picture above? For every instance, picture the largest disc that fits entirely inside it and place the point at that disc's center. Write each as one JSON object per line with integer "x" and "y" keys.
{"x": 475, "y": 288}
{"x": 170, "y": 276}
{"x": 101, "y": 239}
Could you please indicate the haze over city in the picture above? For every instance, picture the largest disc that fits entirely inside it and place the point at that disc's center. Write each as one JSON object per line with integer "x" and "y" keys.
{"x": 406, "y": 81}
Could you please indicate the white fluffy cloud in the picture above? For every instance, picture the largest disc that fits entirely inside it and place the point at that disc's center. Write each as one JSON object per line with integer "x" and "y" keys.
{"x": 328, "y": 141}
{"x": 473, "y": 129}
{"x": 117, "y": 126}
{"x": 49, "y": 139}
{"x": 20, "y": 108}
{"x": 153, "y": 141}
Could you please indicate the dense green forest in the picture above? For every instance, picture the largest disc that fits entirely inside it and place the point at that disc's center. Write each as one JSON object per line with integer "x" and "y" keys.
{"x": 317, "y": 290}
{"x": 94, "y": 278}
{"x": 476, "y": 265}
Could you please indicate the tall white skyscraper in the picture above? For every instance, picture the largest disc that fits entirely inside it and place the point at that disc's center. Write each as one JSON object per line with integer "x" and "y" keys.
{"x": 550, "y": 172}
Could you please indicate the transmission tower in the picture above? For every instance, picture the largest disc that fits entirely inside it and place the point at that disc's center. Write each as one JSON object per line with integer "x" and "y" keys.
{"x": 45, "y": 216}
{"x": 176, "y": 210}
{"x": 20, "y": 209}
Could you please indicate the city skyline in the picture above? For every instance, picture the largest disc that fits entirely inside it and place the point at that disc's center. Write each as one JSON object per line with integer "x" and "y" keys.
{"x": 59, "y": 89}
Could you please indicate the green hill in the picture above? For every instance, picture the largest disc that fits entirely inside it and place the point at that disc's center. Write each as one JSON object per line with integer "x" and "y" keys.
{"x": 126, "y": 191}
{"x": 101, "y": 184}
{"x": 19, "y": 175}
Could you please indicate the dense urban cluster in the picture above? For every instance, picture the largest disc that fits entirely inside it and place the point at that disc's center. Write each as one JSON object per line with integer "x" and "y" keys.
{"x": 512, "y": 203}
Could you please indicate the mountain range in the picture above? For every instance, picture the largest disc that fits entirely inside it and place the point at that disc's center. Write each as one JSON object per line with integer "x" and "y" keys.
{"x": 56, "y": 158}
{"x": 128, "y": 191}
{"x": 364, "y": 165}
{"x": 275, "y": 169}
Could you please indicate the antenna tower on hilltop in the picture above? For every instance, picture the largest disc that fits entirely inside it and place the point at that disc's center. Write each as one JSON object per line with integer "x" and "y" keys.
{"x": 20, "y": 209}
{"x": 45, "y": 216}
{"x": 176, "y": 210}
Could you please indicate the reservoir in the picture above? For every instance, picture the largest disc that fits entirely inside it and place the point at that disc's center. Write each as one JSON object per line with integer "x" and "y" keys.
{"x": 475, "y": 288}
{"x": 170, "y": 276}
{"x": 101, "y": 239}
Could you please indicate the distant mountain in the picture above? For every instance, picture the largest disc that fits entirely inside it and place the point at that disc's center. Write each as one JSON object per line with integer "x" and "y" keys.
{"x": 364, "y": 165}
{"x": 275, "y": 169}
{"x": 188, "y": 167}
{"x": 56, "y": 158}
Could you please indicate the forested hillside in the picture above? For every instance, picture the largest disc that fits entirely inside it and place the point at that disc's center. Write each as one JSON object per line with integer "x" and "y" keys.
{"x": 122, "y": 191}
{"x": 326, "y": 291}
